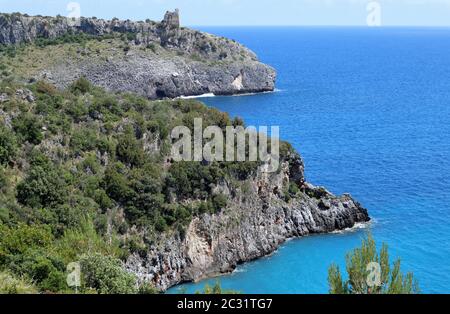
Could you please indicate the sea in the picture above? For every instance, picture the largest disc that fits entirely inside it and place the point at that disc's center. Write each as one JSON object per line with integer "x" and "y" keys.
{"x": 369, "y": 111}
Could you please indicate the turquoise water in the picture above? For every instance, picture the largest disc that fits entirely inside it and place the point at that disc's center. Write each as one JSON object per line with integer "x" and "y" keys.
{"x": 369, "y": 110}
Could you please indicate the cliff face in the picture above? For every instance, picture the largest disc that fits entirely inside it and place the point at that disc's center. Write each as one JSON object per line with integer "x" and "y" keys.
{"x": 160, "y": 59}
{"x": 256, "y": 223}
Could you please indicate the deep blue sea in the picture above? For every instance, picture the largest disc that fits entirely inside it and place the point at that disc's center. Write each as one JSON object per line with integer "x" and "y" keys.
{"x": 369, "y": 111}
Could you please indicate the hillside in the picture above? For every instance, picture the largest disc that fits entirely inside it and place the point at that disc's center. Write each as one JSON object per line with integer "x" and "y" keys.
{"x": 85, "y": 177}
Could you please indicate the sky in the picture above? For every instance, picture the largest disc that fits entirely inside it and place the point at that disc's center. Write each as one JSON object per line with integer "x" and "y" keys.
{"x": 253, "y": 12}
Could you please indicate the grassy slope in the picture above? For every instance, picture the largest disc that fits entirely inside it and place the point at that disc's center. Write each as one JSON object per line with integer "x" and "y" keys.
{"x": 29, "y": 61}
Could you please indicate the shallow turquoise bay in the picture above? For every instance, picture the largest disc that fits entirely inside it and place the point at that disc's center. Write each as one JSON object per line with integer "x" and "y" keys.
{"x": 369, "y": 110}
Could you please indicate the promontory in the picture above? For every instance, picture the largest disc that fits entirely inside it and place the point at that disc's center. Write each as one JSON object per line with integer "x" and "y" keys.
{"x": 156, "y": 60}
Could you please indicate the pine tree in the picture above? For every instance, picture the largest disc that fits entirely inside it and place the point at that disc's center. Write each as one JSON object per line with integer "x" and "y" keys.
{"x": 370, "y": 272}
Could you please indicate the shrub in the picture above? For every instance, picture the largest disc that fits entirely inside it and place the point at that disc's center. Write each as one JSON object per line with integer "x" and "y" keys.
{"x": 147, "y": 288}
{"x": 106, "y": 275}
{"x": 131, "y": 36}
{"x": 48, "y": 277}
{"x": 102, "y": 199}
{"x": 216, "y": 289}
{"x": 81, "y": 86}
{"x": 152, "y": 47}
{"x": 292, "y": 191}
{"x": 105, "y": 108}
{"x": 219, "y": 202}
{"x": 29, "y": 128}
{"x": 84, "y": 238}
{"x": 44, "y": 87}
{"x": 8, "y": 145}
{"x": 84, "y": 139}
{"x": 10, "y": 284}
{"x": 115, "y": 182}
{"x": 160, "y": 224}
{"x": 44, "y": 186}
{"x": 129, "y": 150}
{"x": 192, "y": 179}
{"x": 47, "y": 105}
{"x": 3, "y": 179}
{"x": 67, "y": 217}
{"x": 77, "y": 110}
{"x": 19, "y": 239}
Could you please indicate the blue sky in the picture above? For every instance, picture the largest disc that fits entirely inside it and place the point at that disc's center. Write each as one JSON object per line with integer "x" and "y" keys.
{"x": 251, "y": 12}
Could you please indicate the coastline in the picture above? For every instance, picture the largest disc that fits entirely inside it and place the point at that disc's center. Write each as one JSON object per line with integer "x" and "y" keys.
{"x": 358, "y": 226}
{"x": 211, "y": 95}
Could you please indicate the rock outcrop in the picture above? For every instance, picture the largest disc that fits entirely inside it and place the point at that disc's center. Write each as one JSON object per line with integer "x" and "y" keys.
{"x": 256, "y": 223}
{"x": 159, "y": 59}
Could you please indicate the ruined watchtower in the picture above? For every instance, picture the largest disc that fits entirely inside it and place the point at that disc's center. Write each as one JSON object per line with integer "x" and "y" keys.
{"x": 171, "y": 19}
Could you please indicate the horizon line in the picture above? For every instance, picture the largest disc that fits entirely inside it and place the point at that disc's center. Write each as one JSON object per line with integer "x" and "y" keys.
{"x": 317, "y": 25}
{"x": 256, "y": 25}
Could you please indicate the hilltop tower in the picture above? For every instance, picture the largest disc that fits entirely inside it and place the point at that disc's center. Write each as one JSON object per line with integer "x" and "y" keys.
{"x": 172, "y": 19}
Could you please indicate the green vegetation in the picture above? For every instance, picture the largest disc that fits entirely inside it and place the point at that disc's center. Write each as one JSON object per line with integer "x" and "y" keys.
{"x": 28, "y": 128}
{"x": 106, "y": 276}
{"x": 216, "y": 289}
{"x": 70, "y": 38}
{"x": 12, "y": 285}
{"x": 8, "y": 145}
{"x": 82, "y": 169}
{"x": 363, "y": 279}
{"x": 82, "y": 85}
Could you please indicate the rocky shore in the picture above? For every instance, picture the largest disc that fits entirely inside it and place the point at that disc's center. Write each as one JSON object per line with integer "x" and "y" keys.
{"x": 157, "y": 60}
{"x": 257, "y": 221}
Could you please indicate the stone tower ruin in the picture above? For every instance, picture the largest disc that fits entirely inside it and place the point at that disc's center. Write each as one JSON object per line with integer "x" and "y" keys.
{"x": 172, "y": 19}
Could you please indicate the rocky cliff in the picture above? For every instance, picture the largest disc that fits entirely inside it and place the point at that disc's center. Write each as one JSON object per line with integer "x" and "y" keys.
{"x": 157, "y": 60}
{"x": 258, "y": 220}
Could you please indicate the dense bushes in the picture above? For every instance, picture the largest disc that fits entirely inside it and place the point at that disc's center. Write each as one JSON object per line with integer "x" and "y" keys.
{"x": 193, "y": 180}
{"x": 22, "y": 238}
{"x": 44, "y": 186}
{"x": 106, "y": 275}
{"x": 129, "y": 150}
{"x": 102, "y": 173}
{"x": 29, "y": 128}
{"x": 22, "y": 251}
{"x": 71, "y": 38}
{"x": 9, "y": 284}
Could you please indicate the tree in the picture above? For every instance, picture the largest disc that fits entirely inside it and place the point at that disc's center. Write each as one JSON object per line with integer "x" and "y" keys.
{"x": 370, "y": 272}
